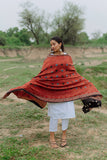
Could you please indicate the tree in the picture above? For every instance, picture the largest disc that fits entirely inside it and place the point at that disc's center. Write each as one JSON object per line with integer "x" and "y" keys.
{"x": 16, "y": 37}
{"x": 2, "y": 41}
{"x": 102, "y": 39}
{"x": 2, "y": 38}
{"x": 12, "y": 31}
{"x": 83, "y": 38}
{"x": 33, "y": 20}
{"x": 24, "y": 36}
{"x": 105, "y": 37}
{"x": 96, "y": 35}
{"x": 68, "y": 23}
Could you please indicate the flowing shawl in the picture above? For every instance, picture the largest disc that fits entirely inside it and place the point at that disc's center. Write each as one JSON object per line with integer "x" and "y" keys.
{"x": 58, "y": 81}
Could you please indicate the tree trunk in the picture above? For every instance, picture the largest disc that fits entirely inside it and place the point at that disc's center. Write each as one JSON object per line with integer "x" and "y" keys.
{"x": 36, "y": 38}
{"x": 34, "y": 34}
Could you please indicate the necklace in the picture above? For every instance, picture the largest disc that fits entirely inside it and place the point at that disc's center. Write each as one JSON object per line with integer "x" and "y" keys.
{"x": 58, "y": 53}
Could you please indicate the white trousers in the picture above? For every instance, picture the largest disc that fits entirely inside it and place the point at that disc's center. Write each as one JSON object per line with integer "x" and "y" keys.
{"x": 54, "y": 124}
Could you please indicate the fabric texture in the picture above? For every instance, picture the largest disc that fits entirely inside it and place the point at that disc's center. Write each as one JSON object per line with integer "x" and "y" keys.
{"x": 58, "y": 81}
{"x": 53, "y": 124}
{"x": 62, "y": 110}
{"x": 90, "y": 102}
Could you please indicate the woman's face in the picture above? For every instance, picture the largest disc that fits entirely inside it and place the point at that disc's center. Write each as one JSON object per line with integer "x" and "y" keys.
{"x": 55, "y": 46}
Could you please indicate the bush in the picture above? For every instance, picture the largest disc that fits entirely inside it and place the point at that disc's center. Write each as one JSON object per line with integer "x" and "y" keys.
{"x": 2, "y": 41}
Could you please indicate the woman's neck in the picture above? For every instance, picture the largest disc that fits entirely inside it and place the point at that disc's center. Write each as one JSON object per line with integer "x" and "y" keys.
{"x": 58, "y": 53}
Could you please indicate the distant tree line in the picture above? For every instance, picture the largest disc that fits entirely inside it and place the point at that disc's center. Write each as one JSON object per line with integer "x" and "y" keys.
{"x": 37, "y": 27}
{"x": 15, "y": 37}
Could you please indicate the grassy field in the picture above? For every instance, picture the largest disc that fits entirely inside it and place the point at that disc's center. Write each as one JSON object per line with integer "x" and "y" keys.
{"x": 24, "y": 127}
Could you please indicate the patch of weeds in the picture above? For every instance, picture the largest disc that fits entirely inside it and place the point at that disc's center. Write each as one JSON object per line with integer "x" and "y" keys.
{"x": 24, "y": 112}
{"x": 12, "y": 148}
{"x": 100, "y": 68}
{"x": 40, "y": 126}
{"x": 82, "y": 63}
{"x": 42, "y": 135}
{"x": 14, "y": 132}
{"x": 80, "y": 69}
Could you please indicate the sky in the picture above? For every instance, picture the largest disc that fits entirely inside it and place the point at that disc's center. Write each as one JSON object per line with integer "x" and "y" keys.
{"x": 95, "y": 12}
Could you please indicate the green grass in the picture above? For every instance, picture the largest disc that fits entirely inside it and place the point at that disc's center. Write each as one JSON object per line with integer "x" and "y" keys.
{"x": 24, "y": 127}
{"x": 96, "y": 74}
{"x": 18, "y": 73}
{"x": 86, "y": 135}
{"x": 13, "y": 148}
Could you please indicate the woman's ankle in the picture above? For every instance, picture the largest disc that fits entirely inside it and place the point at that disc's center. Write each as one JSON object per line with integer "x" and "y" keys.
{"x": 52, "y": 137}
{"x": 64, "y": 134}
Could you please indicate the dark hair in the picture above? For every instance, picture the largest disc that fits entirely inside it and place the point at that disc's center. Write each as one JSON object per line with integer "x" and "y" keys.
{"x": 59, "y": 40}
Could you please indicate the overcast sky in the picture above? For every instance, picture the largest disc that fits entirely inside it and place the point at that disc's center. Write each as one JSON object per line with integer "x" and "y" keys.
{"x": 95, "y": 12}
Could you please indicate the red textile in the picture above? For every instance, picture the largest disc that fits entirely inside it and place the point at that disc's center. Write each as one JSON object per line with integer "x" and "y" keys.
{"x": 58, "y": 81}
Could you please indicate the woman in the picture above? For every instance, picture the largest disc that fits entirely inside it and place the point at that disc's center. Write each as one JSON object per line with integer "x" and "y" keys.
{"x": 64, "y": 110}
{"x": 59, "y": 84}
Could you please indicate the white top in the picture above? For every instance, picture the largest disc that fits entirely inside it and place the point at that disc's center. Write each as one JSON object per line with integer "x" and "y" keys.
{"x": 62, "y": 110}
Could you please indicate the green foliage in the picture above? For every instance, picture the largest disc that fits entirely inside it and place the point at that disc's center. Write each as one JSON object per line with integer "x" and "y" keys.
{"x": 33, "y": 20}
{"x": 15, "y": 37}
{"x": 2, "y": 38}
{"x": 82, "y": 38}
{"x": 13, "y": 41}
{"x": 68, "y": 23}
{"x": 12, "y": 31}
{"x": 24, "y": 37}
{"x": 37, "y": 29}
{"x": 96, "y": 35}
{"x": 98, "y": 40}
{"x": 2, "y": 41}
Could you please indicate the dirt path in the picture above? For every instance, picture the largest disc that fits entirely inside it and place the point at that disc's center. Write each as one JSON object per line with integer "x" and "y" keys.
{"x": 13, "y": 59}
